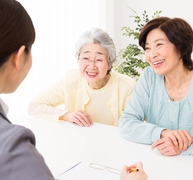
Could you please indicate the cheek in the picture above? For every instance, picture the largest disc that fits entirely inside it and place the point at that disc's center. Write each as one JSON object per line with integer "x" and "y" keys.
{"x": 106, "y": 67}
{"x": 103, "y": 70}
{"x": 81, "y": 68}
{"x": 147, "y": 58}
{"x": 29, "y": 63}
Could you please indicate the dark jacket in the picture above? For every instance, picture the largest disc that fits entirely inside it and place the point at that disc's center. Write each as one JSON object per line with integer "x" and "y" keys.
{"x": 19, "y": 159}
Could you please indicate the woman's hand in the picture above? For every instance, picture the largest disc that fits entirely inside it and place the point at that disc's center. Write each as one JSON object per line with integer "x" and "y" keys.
{"x": 79, "y": 117}
{"x": 173, "y": 142}
{"x": 127, "y": 174}
{"x": 166, "y": 147}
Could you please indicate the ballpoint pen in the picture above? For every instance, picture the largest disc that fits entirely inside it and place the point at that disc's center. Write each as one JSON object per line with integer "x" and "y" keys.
{"x": 68, "y": 169}
{"x": 133, "y": 169}
{"x": 71, "y": 167}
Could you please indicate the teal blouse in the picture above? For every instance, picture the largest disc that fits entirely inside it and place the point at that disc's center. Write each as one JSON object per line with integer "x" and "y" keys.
{"x": 150, "y": 101}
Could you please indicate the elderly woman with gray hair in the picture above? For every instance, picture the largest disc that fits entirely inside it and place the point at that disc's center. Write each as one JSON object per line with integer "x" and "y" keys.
{"x": 91, "y": 93}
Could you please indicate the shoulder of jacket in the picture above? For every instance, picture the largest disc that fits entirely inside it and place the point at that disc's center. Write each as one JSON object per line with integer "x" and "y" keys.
{"x": 11, "y": 132}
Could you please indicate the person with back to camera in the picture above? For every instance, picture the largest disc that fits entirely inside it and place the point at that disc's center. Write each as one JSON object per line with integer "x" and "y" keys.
{"x": 19, "y": 159}
{"x": 163, "y": 95}
{"x": 92, "y": 93}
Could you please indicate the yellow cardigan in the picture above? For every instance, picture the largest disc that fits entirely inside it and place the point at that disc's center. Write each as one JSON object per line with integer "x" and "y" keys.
{"x": 71, "y": 91}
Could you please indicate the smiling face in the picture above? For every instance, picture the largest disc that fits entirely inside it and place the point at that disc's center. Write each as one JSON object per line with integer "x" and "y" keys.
{"x": 93, "y": 64}
{"x": 161, "y": 54}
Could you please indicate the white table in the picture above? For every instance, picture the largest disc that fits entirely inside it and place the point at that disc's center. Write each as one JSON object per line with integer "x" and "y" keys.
{"x": 63, "y": 143}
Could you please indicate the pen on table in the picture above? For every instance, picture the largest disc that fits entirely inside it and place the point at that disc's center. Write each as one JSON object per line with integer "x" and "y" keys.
{"x": 72, "y": 167}
{"x": 68, "y": 169}
{"x": 133, "y": 169}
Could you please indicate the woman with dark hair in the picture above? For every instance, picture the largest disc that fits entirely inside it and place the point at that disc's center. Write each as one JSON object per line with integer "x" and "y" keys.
{"x": 160, "y": 110}
{"x": 19, "y": 158}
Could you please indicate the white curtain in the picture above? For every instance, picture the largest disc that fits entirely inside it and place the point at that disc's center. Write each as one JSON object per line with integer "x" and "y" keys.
{"x": 58, "y": 25}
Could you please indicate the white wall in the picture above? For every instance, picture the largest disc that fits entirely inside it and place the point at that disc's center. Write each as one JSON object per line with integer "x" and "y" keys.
{"x": 58, "y": 25}
{"x": 171, "y": 8}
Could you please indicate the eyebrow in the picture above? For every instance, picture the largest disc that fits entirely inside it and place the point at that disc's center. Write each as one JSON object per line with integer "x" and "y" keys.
{"x": 100, "y": 53}
{"x": 157, "y": 40}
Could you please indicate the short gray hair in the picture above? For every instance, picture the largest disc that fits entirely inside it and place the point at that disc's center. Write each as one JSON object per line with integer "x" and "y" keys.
{"x": 99, "y": 36}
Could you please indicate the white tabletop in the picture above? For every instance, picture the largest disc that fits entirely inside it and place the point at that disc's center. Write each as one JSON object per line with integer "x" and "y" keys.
{"x": 62, "y": 144}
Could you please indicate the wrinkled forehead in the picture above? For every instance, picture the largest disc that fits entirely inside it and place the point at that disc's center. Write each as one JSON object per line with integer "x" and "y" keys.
{"x": 93, "y": 49}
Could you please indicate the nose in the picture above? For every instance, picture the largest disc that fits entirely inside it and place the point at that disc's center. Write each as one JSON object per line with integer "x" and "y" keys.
{"x": 153, "y": 53}
{"x": 92, "y": 64}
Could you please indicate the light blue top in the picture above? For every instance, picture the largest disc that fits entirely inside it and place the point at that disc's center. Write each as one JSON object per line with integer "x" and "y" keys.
{"x": 150, "y": 101}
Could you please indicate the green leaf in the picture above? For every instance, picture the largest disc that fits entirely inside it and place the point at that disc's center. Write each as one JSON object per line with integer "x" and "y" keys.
{"x": 130, "y": 60}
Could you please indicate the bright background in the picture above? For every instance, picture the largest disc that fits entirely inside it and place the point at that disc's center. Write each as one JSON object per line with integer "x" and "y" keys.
{"x": 58, "y": 25}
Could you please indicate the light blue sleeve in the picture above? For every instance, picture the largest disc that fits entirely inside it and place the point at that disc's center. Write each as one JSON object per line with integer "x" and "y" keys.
{"x": 188, "y": 151}
{"x": 131, "y": 124}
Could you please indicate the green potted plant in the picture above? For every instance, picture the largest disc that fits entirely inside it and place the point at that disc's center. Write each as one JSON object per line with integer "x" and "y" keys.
{"x": 131, "y": 59}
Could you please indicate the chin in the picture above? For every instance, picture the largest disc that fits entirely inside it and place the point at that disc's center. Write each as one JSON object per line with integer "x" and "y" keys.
{"x": 158, "y": 72}
{"x": 11, "y": 90}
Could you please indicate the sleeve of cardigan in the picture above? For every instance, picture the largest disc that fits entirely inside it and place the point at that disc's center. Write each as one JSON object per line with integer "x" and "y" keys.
{"x": 45, "y": 105}
{"x": 188, "y": 151}
{"x": 131, "y": 124}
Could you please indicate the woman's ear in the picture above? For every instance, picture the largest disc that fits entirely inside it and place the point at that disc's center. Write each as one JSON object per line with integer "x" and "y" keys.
{"x": 109, "y": 67}
{"x": 19, "y": 58}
